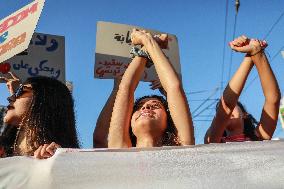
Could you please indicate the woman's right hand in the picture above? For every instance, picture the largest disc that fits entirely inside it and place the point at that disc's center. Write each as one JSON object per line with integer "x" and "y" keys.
{"x": 246, "y": 45}
{"x": 12, "y": 83}
{"x": 139, "y": 37}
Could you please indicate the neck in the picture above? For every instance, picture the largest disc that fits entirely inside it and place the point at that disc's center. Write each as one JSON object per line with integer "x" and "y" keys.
{"x": 235, "y": 131}
{"x": 148, "y": 141}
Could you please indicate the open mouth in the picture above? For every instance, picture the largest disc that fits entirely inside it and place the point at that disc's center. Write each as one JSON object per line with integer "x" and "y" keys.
{"x": 147, "y": 114}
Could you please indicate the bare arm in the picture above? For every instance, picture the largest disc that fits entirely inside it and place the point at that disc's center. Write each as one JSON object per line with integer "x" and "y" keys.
{"x": 123, "y": 106}
{"x": 170, "y": 81}
{"x": 228, "y": 102}
{"x": 102, "y": 127}
{"x": 268, "y": 120}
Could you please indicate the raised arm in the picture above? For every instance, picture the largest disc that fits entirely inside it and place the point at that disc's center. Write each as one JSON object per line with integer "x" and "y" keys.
{"x": 228, "y": 102}
{"x": 100, "y": 134}
{"x": 254, "y": 49}
{"x": 269, "y": 115}
{"x": 123, "y": 106}
{"x": 171, "y": 83}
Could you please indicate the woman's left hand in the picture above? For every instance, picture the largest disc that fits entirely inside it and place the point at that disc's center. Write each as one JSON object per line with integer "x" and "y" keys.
{"x": 46, "y": 150}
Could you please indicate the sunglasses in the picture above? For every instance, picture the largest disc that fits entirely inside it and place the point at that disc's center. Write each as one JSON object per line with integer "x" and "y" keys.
{"x": 19, "y": 92}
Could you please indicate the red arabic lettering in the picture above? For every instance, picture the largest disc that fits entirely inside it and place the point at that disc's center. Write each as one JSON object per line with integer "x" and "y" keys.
{"x": 12, "y": 43}
{"x": 13, "y": 20}
{"x": 5, "y": 68}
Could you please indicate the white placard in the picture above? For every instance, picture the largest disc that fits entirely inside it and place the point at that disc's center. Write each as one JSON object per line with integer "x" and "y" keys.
{"x": 282, "y": 52}
{"x": 16, "y": 30}
{"x": 44, "y": 57}
{"x": 113, "y": 45}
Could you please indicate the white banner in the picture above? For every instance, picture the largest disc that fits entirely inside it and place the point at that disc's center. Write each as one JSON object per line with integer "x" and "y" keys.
{"x": 44, "y": 57}
{"x": 247, "y": 165}
{"x": 113, "y": 45}
{"x": 17, "y": 29}
{"x": 282, "y": 52}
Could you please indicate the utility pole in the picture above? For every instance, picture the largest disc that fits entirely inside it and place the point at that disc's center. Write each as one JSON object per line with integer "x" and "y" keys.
{"x": 237, "y": 4}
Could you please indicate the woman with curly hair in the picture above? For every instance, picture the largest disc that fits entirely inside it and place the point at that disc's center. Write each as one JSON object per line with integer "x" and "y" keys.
{"x": 232, "y": 123}
{"x": 42, "y": 110}
{"x": 152, "y": 120}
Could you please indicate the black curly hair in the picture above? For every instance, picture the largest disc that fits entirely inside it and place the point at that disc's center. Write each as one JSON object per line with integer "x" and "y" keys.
{"x": 50, "y": 117}
{"x": 170, "y": 135}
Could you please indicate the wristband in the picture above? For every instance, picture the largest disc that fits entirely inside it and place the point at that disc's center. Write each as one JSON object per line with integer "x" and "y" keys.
{"x": 135, "y": 51}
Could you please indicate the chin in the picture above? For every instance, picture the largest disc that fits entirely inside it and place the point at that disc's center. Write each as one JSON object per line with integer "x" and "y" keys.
{"x": 11, "y": 120}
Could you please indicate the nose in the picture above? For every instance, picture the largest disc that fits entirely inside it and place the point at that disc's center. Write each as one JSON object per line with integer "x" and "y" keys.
{"x": 146, "y": 106}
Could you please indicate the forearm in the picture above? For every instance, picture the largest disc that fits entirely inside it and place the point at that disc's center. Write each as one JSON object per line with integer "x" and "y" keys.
{"x": 234, "y": 88}
{"x": 176, "y": 98}
{"x": 120, "y": 120}
{"x": 181, "y": 116}
{"x": 267, "y": 78}
{"x": 167, "y": 75}
{"x": 123, "y": 106}
{"x": 103, "y": 122}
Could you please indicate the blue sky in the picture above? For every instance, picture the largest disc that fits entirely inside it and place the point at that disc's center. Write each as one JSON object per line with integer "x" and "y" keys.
{"x": 199, "y": 26}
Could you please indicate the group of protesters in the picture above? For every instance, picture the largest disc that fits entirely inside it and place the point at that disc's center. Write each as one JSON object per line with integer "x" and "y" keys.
{"x": 40, "y": 114}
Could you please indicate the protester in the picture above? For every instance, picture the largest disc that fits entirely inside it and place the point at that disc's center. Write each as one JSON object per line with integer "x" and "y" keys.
{"x": 42, "y": 110}
{"x": 232, "y": 123}
{"x": 149, "y": 119}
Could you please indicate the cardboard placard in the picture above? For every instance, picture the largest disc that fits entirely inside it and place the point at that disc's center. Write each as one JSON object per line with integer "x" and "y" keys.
{"x": 44, "y": 57}
{"x": 113, "y": 45}
{"x": 16, "y": 30}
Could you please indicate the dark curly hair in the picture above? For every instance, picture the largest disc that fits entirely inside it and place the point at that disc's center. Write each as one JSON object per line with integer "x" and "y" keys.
{"x": 250, "y": 123}
{"x": 7, "y": 139}
{"x": 170, "y": 135}
{"x": 50, "y": 117}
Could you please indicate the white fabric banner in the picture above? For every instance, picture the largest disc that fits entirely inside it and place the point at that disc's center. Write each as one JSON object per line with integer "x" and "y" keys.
{"x": 231, "y": 165}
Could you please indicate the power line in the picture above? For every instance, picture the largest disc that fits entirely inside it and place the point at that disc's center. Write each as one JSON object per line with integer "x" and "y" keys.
{"x": 205, "y": 100}
{"x": 207, "y": 107}
{"x": 224, "y": 47}
{"x": 202, "y": 91}
{"x": 273, "y": 26}
{"x": 231, "y": 55}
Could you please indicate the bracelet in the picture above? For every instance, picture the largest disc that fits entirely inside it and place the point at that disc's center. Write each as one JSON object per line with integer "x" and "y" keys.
{"x": 135, "y": 51}
{"x": 256, "y": 52}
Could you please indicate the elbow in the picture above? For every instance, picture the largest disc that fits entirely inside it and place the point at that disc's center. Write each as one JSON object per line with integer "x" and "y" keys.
{"x": 126, "y": 87}
{"x": 174, "y": 85}
{"x": 274, "y": 98}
